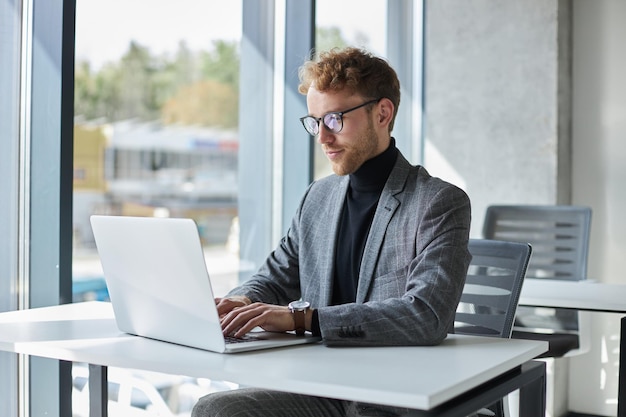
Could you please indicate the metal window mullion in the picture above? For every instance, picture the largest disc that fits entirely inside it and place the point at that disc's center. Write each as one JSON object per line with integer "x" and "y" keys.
{"x": 298, "y": 146}
{"x": 418, "y": 81}
{"x": 256, "y": 131}
{"x": 400, "y": 53}
{"x": 23, "y": 213}
{"x": 278, "y": 155}
{"x": 405, "y": 33}
{"x": 24, "y": 155}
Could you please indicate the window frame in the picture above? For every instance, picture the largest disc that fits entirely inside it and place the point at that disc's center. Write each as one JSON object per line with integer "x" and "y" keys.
{"x": 10, "y": 21}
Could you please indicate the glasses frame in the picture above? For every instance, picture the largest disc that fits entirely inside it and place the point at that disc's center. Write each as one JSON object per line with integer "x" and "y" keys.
{"x": 338, "y": 114}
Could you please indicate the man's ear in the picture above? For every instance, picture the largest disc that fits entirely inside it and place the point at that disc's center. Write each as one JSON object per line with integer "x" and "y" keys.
{"x": 385, "y": 111}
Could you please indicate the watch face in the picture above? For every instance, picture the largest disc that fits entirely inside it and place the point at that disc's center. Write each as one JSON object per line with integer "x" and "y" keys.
{"x": 299, "y": 305}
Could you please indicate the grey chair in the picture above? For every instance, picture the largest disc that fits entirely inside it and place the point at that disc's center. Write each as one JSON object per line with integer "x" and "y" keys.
{"x": 491, "y": 293}
{"x": 492, "y": 287}
{"x": 559, "y": 236}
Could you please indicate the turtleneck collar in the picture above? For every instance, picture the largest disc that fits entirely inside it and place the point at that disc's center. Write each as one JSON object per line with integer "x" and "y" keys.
{"x": 373, "y": 174}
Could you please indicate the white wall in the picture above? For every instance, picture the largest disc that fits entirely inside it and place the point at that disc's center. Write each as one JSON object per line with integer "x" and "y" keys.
{"x": 599, "y": 181}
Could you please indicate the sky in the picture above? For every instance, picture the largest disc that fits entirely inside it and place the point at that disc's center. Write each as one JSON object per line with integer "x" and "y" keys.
{"x": 104, "y": 28}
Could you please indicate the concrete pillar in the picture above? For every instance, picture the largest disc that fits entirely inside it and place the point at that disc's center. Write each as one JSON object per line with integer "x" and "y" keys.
{"x": 498, "y": 100}
{"x": 498, "y": 110}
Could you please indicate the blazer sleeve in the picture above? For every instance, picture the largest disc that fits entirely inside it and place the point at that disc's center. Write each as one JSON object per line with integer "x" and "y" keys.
{"x": 277, "y": 281}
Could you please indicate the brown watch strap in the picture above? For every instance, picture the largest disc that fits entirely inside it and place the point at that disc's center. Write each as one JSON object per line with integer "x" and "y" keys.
{"x": 298, "y": 318}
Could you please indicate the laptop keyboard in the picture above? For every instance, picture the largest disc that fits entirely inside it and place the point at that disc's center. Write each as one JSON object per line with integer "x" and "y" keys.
{"x": 246, "y": 338}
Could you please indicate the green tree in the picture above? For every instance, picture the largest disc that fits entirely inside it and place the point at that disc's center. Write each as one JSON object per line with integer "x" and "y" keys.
{"x": 188, "y": 87}
{"x": 135, "y": 80}
{"x": 222, "y": 63}
{"x": 205, "y": 103}
{"x": 85, "y": 98}
{"x": 213, "y": 100}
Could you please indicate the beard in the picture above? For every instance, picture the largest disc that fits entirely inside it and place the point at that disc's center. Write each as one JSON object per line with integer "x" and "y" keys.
{"x": 357, "y": 152}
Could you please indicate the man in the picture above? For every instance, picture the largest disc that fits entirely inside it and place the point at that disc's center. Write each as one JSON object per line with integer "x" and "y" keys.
{"x": 377, "y": 254}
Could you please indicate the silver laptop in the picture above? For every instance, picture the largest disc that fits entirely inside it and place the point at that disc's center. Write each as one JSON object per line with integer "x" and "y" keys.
{"x": 159, "y": 286}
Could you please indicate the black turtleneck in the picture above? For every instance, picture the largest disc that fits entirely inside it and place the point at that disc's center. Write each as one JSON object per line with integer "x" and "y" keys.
{"x": 366, "y": 185}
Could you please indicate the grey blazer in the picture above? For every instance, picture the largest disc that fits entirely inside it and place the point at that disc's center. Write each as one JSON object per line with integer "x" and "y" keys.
{"x": 413, "y": 267}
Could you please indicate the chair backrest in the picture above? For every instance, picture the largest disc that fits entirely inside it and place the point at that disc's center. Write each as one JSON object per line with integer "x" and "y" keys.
{"x": 492, "y": 287}
{"x": 491, "y": 293}
{"x": 559, "y": 236}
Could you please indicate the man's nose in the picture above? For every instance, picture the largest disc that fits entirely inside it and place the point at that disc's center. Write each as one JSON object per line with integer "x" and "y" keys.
{"x": 325, "y": 135}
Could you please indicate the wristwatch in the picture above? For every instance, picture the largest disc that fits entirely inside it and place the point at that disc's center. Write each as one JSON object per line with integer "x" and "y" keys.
{"x": 298, "y": 309}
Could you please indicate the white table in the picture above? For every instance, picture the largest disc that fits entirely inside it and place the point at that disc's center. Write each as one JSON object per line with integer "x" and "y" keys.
{"x": 583, "y": 295}
{"x": 462, "y": 373}
{"x": 580, "y": 295}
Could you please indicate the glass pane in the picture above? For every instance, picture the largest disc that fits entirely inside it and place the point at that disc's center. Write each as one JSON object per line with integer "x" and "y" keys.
{"x": 348, "y": 23}
{"x": 156, "y": 131}
{"x": 156, "y": 124}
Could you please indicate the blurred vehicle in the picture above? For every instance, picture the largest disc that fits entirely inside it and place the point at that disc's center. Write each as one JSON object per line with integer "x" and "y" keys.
{"x": 89, "y": 288}
{"x": 140, "y": 393}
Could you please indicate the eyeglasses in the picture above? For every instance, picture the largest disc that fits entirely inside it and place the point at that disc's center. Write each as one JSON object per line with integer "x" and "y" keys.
{"x": 333, "y": 120}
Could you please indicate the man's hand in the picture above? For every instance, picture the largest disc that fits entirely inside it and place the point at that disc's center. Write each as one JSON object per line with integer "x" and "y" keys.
{"x": 243, "y": 318}
{"x": 226, "y": 305}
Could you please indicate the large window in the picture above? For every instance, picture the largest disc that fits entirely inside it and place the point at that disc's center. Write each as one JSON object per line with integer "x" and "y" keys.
{"x": 156, "y": 124}
{"x": 181, "y": 109}
{"x": 156, "y": 134}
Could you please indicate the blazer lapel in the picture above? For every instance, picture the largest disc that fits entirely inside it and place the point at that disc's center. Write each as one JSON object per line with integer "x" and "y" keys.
{"x": 387, "y": 206}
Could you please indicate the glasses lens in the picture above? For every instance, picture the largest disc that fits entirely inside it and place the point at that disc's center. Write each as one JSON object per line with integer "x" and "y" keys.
{"x": 333, "y": 122}
{"x": 310, "y": 124}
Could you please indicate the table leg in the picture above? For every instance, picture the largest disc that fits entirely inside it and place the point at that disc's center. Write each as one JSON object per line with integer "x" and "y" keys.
{"x": 532, "y": 397}
{"x": 98, "y": 391}
{"x": 621, "y": 387}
